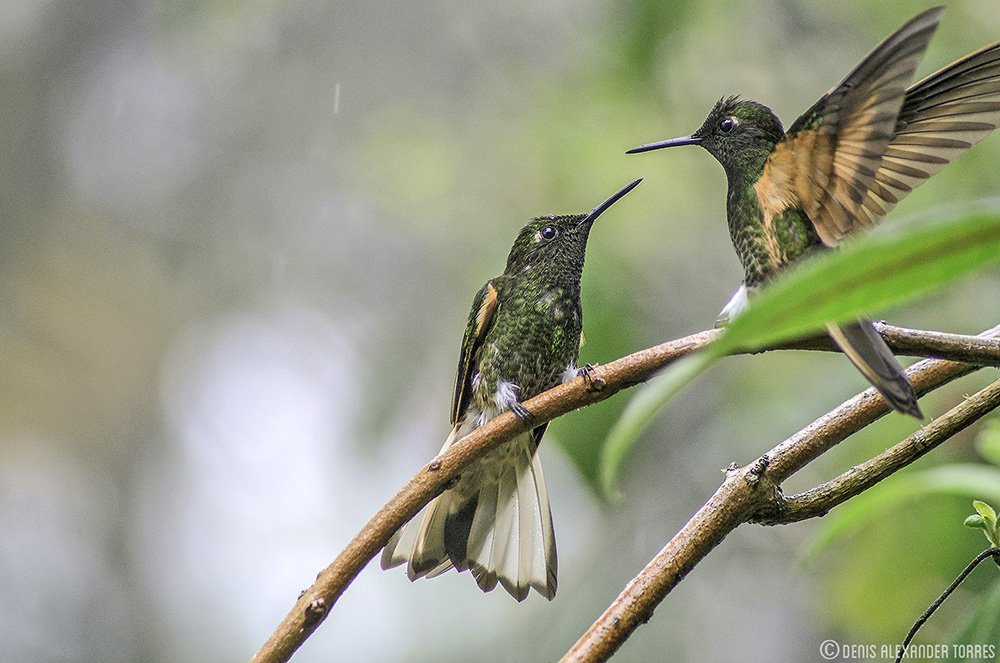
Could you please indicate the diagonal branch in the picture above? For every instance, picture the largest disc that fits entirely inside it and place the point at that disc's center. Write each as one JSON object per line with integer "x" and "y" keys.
{"x": 314, "y": 603}
{"x": 818, "y": 501}
{"x": 983, "y": 349}
{"x": 748, "y": 493}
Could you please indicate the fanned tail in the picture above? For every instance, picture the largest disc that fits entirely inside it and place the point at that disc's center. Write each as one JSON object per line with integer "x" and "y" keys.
{"x": 496, "y": 522}
{"x": 868, "y": 352}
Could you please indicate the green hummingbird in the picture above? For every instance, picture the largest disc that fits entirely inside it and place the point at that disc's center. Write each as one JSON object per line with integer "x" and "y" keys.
{"x": 522, "y": 338}
{"x": 843, "y": 165}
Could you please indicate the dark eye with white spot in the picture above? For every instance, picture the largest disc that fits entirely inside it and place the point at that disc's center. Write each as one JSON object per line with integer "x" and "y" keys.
{"x": 549, "y": 233}
{"x": 726, "y": 125}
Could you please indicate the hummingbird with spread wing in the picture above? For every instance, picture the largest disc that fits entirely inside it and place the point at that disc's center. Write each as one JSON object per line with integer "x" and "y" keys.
{"x": 843, "y": 165}
{"x": 522, "y": 338}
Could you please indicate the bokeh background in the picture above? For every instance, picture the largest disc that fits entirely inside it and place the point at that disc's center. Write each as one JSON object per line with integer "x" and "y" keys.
{"x": 240, "y": 240}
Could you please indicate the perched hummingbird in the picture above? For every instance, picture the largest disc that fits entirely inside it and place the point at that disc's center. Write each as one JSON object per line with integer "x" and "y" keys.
{"x": 844, "y": 164}
{"x": 523, "y": 337}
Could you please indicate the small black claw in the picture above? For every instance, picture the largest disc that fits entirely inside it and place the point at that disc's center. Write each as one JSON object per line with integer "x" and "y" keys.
{"x": 522, "y": 413}
{"x": 589, "y": 374}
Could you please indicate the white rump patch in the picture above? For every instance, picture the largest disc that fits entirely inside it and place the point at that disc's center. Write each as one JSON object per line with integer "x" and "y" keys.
{"x": 738, "y": 303}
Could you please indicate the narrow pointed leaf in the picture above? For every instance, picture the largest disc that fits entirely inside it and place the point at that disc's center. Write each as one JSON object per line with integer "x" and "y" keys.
{"x": 640, "y": 412}
{"x": 889, "y": 267}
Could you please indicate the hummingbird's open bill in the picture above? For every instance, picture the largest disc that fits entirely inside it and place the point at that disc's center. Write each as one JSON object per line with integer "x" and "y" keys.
{"x": 522, "y": 338}
{"x": 844, "y": 164}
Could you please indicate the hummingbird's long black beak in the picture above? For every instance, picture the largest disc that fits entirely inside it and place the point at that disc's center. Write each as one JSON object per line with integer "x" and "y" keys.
{"x": 600, "y": 209}
{"x": 673, "y": 142}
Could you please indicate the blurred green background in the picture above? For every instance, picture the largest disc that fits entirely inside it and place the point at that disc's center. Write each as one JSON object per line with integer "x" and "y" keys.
{"x": 239, "y": 245}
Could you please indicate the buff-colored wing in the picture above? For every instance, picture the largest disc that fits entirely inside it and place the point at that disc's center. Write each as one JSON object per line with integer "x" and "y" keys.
{"x": 943, "y": 115}
{"x": 827, "y": 162}
{"x": 484, "y": 308}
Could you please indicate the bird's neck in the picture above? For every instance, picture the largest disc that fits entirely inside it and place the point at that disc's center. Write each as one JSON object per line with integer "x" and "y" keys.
{"x": 753, "y": 243}
{"x": 560, "y": 275}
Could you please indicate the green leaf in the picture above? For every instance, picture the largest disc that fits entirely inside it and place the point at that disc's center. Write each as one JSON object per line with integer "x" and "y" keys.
{"x": 975, "y": 521}
{"x": 640, "y": 412}
{"x": 885, "y": 268}
{"x": 986, "y": 511}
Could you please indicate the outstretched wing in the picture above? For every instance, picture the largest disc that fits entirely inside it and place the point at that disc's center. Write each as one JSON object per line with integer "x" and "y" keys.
{"x": 943, "y": 115}
{"x": 484, "y": 307}
{"x": 827, "y": 161}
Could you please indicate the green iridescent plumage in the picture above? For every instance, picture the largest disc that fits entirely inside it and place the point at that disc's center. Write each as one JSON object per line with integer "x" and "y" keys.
{"x": 844, "y": 164}
{"x": 522, "y": 338}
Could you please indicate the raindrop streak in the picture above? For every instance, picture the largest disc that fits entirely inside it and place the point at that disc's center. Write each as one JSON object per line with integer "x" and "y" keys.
{"x": 336, "y": 98}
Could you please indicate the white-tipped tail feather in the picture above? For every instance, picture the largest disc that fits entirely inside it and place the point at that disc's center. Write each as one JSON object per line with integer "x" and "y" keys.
{"x": 495, "y": 521}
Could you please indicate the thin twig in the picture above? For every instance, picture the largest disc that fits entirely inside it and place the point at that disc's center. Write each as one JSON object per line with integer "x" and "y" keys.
{"x": 986, "y": 554}
{"x": 818, "y": 501}
{"x": 979, "y": 350}
{"x": 606, "y": 380}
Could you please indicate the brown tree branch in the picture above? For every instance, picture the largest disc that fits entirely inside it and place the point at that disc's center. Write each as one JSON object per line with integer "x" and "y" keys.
{"x": 979, "y": 350}
{"x": 983, "y": 349}
{"x": 314, "y": 603}
{"x": 746, "y": 494}
{"x": 818, "y": 501}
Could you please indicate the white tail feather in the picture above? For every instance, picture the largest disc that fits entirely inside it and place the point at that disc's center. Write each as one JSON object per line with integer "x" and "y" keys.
{"x": 428, "y": 547}
{"x": 508, "y": 533}
{"x": 532, "y": 541}
{"x": 404, "y": 546}
{"x": 544, "y": 574}
{"x": 510, "y": 537}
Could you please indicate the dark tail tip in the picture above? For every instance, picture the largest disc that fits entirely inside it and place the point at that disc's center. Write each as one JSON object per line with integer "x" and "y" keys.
{"x": 911, "y": 408}
{"x": 900, "y": 395}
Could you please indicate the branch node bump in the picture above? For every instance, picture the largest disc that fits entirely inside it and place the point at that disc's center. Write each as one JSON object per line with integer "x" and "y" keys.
{"x": 314, "y": 612}
{"x": 755, "y": 472}
{"x": 772, "y": 511}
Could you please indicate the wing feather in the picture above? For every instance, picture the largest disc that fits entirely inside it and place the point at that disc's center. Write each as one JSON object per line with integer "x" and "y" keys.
{"x": 484, "y": 308}
{"x": 942, "y": 116}
{"x": 831, "y": 156}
